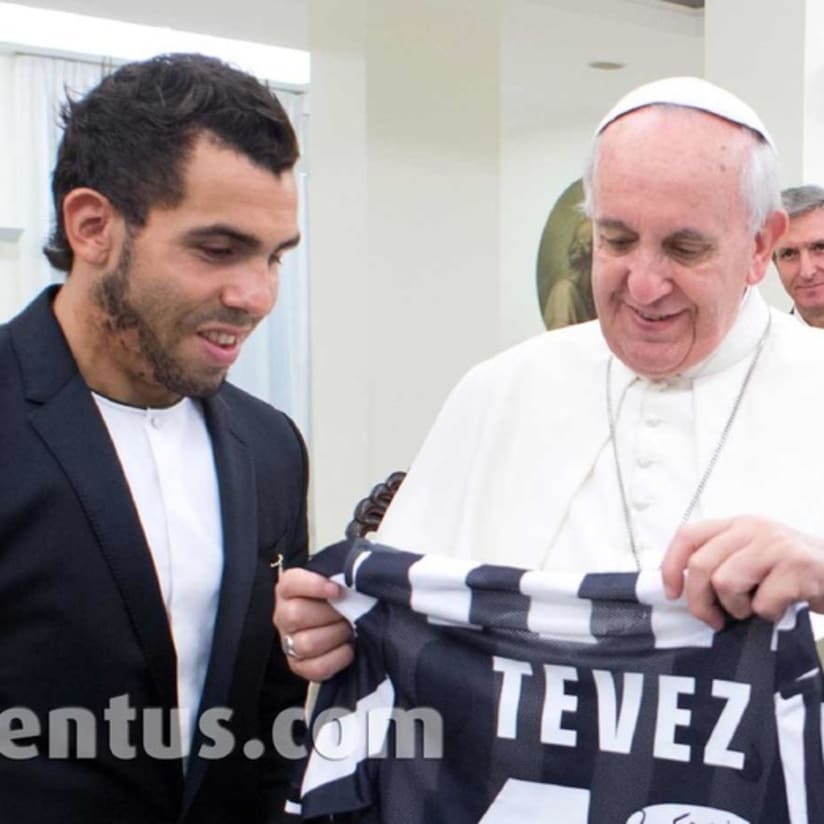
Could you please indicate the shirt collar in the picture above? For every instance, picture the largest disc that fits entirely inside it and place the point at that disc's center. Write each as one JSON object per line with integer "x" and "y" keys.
{"x": 177, "y": 408}
{"x": 740, "y": 341}
{"x": 798, "y": 316}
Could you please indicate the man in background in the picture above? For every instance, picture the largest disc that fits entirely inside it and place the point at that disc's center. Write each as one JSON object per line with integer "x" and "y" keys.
{"x": 145, "y": 503}
{"x": 799, "y": 257}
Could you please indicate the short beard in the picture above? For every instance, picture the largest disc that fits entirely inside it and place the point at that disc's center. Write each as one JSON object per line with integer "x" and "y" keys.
{"x": 112, "y": 295}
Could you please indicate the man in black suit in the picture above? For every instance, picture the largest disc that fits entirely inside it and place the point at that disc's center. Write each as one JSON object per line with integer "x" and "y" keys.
{"x": 145, "y": 504}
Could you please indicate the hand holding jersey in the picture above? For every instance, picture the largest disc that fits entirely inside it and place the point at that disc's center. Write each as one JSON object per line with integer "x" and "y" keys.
{"x": 744, "y": 566}
{"x": 318, "y": 638}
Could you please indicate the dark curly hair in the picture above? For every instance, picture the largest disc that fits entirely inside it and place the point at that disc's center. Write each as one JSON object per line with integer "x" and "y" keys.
{"x": 130, "y": 136}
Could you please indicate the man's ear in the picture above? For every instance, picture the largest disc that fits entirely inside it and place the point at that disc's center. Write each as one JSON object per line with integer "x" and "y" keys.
{"x": 93, "y": 226}
{"x": 772, "y": 230}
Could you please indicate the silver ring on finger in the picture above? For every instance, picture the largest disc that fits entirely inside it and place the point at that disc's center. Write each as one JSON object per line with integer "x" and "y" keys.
{"x": 288, "y": 647}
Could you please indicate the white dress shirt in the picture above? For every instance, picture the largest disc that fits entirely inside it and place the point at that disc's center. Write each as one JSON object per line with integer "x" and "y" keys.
{"x": 167, "y": 458}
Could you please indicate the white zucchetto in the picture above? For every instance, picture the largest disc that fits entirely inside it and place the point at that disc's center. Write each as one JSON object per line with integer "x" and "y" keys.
{"x": 692, "y": 93}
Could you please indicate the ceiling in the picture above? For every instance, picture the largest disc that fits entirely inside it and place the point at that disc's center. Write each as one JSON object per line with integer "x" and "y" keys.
{"x": 276, "y": 22}
{"x": 546, "y": 45}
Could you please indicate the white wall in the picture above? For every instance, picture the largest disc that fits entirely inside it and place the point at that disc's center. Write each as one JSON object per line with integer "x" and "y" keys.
{"x": 404, "y": 216}
{"x": 536, "y": 166}
{"x": 339, "y": 280}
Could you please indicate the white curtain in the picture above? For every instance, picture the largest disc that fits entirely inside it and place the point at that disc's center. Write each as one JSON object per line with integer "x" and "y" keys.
{"x": 39, "y": 87}
{"x": 274, "y": 364}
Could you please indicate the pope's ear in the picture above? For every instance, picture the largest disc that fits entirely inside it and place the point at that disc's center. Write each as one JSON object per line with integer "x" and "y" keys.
{"x": 92, "y": 226}
{"x": 772, "y": 230}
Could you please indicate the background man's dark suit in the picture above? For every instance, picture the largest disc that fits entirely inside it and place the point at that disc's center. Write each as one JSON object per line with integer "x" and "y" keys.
{"x": 81, "y": 615}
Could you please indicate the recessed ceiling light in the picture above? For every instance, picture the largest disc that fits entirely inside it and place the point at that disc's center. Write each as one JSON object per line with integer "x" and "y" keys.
{"x": 606, "y": 65}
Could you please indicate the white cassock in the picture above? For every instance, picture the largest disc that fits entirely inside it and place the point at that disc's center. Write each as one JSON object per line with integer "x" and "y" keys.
{"x": 519, "y": 470}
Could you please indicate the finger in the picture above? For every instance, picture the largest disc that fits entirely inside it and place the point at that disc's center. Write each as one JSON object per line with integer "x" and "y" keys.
{"x": 688, "y": 539}
{"x": 294, "y": 615}
{"x": 704, "y": 607}
{"x": 325, "y": 666}
{"x": 771, "y": 599}
{"x": 788, "y": 581}
{"x": 739, "y": 577}
{"x": 318, "y": 641}
{"x": 301, "y": 583}
{"x": 699, "y": 581}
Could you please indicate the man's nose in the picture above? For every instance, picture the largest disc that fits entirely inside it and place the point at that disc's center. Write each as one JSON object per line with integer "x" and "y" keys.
{"x": 809, "y": 263}
{"x": 252, "y": 288}
{"x": 648, "y": 278}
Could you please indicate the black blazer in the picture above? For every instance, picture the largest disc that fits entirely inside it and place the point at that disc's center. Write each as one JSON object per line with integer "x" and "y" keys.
{"x": 81, "y": 615}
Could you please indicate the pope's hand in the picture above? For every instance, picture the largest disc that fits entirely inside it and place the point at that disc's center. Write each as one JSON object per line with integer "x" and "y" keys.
{"x": 744, "y": 566}
{"x": 314, "y": 635}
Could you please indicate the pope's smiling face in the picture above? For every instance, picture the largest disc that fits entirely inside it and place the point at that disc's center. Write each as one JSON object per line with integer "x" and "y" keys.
{"x": 673, "y": 249}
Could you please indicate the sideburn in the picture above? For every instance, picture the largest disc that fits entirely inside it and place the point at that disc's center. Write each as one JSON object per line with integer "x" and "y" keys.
{"x": 110, "y": 292}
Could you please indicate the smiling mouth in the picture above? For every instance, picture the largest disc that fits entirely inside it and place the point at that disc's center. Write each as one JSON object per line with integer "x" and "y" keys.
{"x": 223, "y": 339}
{"x": 651, "y": 317}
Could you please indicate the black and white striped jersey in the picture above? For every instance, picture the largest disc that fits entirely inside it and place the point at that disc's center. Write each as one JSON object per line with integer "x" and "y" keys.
{"x": 498, "y": 695}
